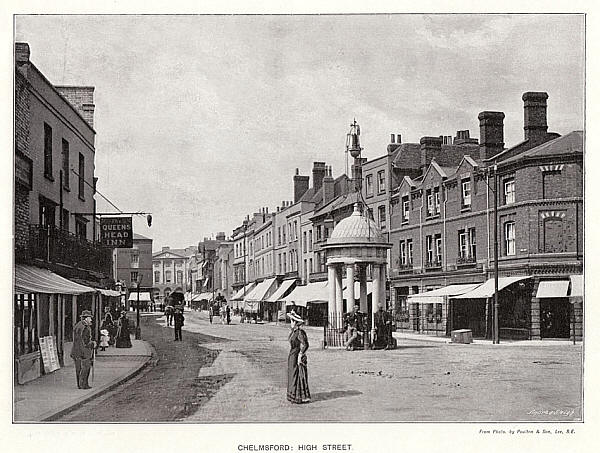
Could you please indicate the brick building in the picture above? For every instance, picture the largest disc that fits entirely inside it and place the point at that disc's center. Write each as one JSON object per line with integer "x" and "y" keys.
{"x": 443, "y": 230}
{"x": 132, "y": 266}
{"x": 60, "y": 268}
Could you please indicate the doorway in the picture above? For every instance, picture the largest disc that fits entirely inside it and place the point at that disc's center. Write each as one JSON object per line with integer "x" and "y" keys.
{"x": 555, "y": 317}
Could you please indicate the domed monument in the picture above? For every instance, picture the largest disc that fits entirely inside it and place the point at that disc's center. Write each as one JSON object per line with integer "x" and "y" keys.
{"x": 358, "y": 246}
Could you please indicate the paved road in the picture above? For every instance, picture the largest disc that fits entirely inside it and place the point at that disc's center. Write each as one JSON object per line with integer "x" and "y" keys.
{"x": 420, "y": 381}
{"x": 229, "y": 373}
{"x": 166, "y": 391}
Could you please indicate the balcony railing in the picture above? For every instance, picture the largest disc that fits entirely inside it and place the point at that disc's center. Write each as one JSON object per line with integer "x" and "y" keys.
{"x": 57, "y": 246}
{"x": 465, "y": 260}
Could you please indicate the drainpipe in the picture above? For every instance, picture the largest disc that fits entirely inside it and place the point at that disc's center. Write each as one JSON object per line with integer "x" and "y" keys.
{"x": 445, "y": 257}
{"x": 487, "y": 202}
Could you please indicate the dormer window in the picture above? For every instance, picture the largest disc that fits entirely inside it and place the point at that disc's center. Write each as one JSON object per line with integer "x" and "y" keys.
{"x": 405, "y": 209}
{"x": 466, "y": 193}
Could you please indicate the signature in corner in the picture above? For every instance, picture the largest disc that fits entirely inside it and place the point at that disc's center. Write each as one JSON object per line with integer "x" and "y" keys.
{"x": 565, "y": 413}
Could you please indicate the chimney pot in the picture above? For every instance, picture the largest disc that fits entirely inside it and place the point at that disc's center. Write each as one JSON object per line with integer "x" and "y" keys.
{"x": 491, "y": 134}
{"x": 22, "y": 52}
{"x": 534, "y": 115}
{"x": 392, "y": 138}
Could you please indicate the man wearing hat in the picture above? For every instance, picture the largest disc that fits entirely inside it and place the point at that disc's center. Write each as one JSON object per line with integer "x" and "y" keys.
{"x": 82, "y": 350}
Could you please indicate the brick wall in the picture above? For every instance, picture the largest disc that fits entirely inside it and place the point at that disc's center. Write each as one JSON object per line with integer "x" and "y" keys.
{"x": 22, "y": 139}
{"x": 82, "y": 98}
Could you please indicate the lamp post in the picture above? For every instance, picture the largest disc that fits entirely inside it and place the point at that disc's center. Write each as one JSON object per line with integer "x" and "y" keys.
{"x": 496, "y": 330}
{"x": 138, "y": 330}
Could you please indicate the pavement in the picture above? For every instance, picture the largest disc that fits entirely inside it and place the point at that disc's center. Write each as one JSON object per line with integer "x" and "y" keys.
{"x": 55, "y": 394}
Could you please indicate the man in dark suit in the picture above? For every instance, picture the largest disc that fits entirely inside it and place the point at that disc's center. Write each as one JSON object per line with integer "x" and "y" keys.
{"x": 354, "y": 326}
{"x": 179, "y": 318}
{"x": 82, "y": 351}
{"x": 383, "y": 329}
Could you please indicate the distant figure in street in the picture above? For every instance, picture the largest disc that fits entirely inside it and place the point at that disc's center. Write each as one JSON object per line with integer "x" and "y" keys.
{"x": 104, "y": 337}
{"x": 382, "y": 328}
{"x": 354, "y": 325}
{"x": 210, "y": 312}
{"x": 82, "y": 350}
{"x": 228, "y": 314}
{"x": 123, "y": 338}
{"x": 179, "y": 318}
{"x": 297, "y": 388}
{"x": 169, "y": 314}
{"x": 223, "y": 314}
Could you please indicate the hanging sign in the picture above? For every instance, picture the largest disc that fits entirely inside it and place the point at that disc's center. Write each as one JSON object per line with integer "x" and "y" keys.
{"x": 49, "y": 354}
{"x": 116, "y": 232}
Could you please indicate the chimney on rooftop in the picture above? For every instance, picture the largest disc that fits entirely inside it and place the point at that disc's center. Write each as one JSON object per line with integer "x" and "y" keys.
{"x": 535, "y": 121}
{"x": 165, "y": 248}
{"x": 300, "y": 185}
{"x": 491, "y": 134}
{"x": 328, "y": 187}
{"x": 318, "y": 172}
{"x": 22, "y": 52}
{"x": 82, "y": 98}
{"x": 431, "y": 148}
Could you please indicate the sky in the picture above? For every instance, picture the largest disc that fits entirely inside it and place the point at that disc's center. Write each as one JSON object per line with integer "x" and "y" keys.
{"x": 204, "y": 119}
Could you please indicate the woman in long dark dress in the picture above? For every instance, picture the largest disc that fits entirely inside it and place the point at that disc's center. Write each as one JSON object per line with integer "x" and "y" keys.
{"x": 297, "y": 389}
{"x": 123, "y": 338}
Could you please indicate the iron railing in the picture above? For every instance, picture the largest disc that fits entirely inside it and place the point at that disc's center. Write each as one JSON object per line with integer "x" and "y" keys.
{"x": 57, "y": 246}
{"x": 337, "y": 334}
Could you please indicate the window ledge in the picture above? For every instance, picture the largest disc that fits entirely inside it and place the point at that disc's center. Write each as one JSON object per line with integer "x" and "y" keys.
{"x": 48, "y": 177}
{"x": 465, "y": 209}
{"x": 81, "y": 198}
{"x": 431, "y": 217}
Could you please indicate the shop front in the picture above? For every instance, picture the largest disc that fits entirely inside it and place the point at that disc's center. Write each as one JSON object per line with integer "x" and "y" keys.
{"x": 555, "y": 309}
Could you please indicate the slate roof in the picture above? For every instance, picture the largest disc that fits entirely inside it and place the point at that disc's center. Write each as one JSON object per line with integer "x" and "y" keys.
{"x": 571, "y": 143}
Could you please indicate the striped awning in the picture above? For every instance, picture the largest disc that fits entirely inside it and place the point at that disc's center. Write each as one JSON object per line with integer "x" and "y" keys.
{"x": 243, "y": 291}
{"x": 313, "y": 292}
{"x": 30, "y": 279}
{"x": 261, "y": 290}
{"x": 279, "y": 294}
{"x": 486, "y": 290}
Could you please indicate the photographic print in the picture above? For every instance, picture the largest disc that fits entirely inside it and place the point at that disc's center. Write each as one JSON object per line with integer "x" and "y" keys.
{"x": 298, "y": 218}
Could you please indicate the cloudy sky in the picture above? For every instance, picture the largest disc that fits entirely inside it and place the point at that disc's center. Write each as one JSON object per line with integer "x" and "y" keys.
{"x": 204, "y": 119}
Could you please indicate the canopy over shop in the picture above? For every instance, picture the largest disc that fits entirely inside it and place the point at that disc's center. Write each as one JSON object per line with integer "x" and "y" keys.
{"x": 46, "y": 304}
{"x": 253, "y": 302}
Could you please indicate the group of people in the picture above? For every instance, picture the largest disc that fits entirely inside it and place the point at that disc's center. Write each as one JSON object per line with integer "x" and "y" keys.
{"x": 354, "y": 325}
{"x": 115, "y": 332}
{"x": 84, "y": 347}
{"x": 222, "y": 310}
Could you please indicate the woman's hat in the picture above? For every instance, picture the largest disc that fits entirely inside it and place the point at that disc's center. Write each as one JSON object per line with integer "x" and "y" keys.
{"x": 86, "y": 314}
{"x": 104, "y": 332}
{"x": 294, "y": 317}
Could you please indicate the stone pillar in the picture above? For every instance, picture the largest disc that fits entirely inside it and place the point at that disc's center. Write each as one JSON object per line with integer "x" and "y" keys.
{"x": 376, "y": 292}
{"x": 339, "y": 295}
{"x": 350, "y": 279}
{"x": 362, "y": 276}
{"x": 411, "y": 309}
{"x": 74, "y": 311}
{"x": 382, "y": 279}
{"x": 331, "y": 284}
{"x": 52, "y": 314}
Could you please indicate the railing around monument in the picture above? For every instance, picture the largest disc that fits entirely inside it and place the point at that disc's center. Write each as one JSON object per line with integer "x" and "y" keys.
{"x": 336, "y": 334}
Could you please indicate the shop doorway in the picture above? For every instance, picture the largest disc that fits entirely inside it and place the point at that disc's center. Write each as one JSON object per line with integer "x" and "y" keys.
{"x": 555, "y": 317}
{"x": 469, "y": 314}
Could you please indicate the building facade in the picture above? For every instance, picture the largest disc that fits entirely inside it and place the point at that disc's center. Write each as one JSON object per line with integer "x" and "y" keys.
{"x": 443, "y": 230}
{"x": 133, "y": 266}
{"x": 170, "y": 272}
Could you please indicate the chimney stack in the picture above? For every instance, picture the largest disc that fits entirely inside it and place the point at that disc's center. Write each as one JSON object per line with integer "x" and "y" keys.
{"x": 22, "y": 52}
{"x": 300, "y": 185}
{"x": 431, "y": 148}
{"x": 318, "y": 172}
{"x": 491, "y": 134}
{"x": 328, "y": 187}
{"x": 535, "y": 123}
{"x": 395, "y": 142}
{"x": 82, "y": 98}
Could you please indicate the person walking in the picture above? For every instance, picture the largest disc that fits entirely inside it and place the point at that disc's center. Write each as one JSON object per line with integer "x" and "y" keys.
{"x": 179, "y": 318}
{"x": 210, "y": 312}
{"x": 228, "y": 314}
{"x": 82, "y": 350}
{"x": 297, "y": 386}
{"x": 169, "y": 314}
{"x": 123, "y": 337}
{"x": 382, "y": 329}
{"x": 108, "y": 324}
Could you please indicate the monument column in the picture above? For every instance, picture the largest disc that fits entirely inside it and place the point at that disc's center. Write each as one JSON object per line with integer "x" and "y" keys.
{"x": 331, "y": 308}
{"x": 339, "y": 297}
{"x": 362, "y": 277}
{"x": 350, "y": 279}
{"x": 375, "y": 295}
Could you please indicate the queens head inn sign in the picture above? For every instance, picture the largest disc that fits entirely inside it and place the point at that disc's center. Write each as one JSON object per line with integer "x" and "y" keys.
{"x": 116, "y": 232}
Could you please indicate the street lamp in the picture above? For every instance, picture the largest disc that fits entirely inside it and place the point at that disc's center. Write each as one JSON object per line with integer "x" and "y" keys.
{"x": 496, "y": 303}
{"x": 138, "y": 329}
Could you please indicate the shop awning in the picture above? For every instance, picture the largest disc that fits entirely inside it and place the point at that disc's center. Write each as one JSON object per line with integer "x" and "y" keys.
{"x": 486, "y": 290}
{"x": 144, "y": 296}
{"x": 436, "y": 296}
{"x": 30, "y": 279}
{"x": 109, "y": 292}
{"x": 576, "y": 286}
{"x": 202, "y": 296}
{"x": 261, "y": 291}
{"x": 555, "y": 288}
{"x": 313, "y": 292}
{"x": 278, "y": 294}
{"x": 357, "y": 290}
{"x": 243, "y": 291}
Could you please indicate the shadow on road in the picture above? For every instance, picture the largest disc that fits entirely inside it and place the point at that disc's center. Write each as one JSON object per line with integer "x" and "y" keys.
{"x": 324, "y": 396}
